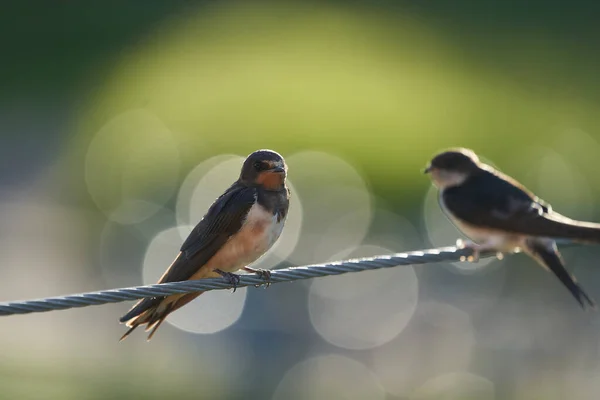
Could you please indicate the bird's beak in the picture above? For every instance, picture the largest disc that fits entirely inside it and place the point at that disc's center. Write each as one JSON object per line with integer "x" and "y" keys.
{"x": 279, "y": 170}
{"x": 427, "y": 169}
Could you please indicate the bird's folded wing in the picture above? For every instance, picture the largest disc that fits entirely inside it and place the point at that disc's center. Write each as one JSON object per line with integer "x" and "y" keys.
{"x": 495, "y": 203}
{"x": 223, "y": 219}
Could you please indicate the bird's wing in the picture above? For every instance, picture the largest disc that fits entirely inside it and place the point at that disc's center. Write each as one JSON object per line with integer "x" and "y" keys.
{"x": 497, "y": 202}
{"x": 223, "y": 219}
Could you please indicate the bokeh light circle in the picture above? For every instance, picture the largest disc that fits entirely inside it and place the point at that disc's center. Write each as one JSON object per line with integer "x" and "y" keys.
{"x": 122, "y": 247}
{"x": 578, "y": 147}
{"x": 557, "y": 180}
{"x": 212, "y": 311}
{"x": 329, "y": 377}
{"x": 336, "y": 205}
{"x": 190, "y": 185}
{"x": 366, "y": 310}
{"x": 213, "y": 184}
{"x": 132, "y": 166}
{"x": 393, "y": 231}
{"x": 440, "y": 338}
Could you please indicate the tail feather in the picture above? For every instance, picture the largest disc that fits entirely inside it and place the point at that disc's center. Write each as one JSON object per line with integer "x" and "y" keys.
{"x": 128, "y": 333}
{"x": 547, "y": 254}
{"x": 153, "y": 327}
{"x": 140, "y": 307}
{"x": 153, "y": 312}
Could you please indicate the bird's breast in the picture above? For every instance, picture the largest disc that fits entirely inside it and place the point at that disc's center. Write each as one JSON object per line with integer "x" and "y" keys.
{"x": 258, "y": 233}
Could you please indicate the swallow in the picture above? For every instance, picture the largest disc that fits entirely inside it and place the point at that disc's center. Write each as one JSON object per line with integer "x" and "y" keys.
{"x": 500, "y": 214}
{"x": 239, "y": 227}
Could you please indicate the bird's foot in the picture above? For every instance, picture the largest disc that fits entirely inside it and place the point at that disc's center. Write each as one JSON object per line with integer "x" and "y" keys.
{"x": 264, "y": 274}
{"x": 475, "y": 248}
{"x": 232, "y": 279}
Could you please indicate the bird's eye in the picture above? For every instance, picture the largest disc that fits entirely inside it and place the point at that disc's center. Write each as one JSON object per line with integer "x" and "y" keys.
{"x": 259, "y": 165}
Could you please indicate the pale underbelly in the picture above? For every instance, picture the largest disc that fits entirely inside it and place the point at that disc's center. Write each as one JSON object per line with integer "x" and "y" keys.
{"x": 258, "y": 234}
{"x": 500, "y": 241}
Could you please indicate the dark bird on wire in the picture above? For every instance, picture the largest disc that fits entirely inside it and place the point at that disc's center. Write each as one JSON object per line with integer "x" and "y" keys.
{"x": 501, "y": 215}
{"x": 239, "y": 227}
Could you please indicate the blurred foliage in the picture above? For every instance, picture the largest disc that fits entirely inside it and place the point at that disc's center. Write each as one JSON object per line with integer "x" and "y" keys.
{"x": 412, "y": 77}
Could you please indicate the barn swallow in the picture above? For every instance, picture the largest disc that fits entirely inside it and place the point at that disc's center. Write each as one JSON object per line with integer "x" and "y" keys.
{"x": 239, "y": 227}
{"x": 501, "y": 215}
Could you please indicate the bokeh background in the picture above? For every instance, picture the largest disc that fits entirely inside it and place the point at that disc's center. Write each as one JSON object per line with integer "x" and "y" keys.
{"x": 120, "y": 122}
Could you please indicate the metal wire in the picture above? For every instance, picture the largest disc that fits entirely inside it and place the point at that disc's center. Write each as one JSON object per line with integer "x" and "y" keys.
{"x": 448, "y": 254}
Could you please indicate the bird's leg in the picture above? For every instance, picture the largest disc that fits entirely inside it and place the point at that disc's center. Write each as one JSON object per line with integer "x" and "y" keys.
{"x": 264, "y": 274}
{"x": 476, "y": 249}
{"x": 232, "y": 279}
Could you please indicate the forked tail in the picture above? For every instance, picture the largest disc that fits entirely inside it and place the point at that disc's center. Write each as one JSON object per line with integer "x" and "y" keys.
{"x": 153, "y": 311}
{"x": 546, "y": 253}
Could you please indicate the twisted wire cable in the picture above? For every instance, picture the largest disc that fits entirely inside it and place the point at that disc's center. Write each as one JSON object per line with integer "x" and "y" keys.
{"x": 447, "y": 254}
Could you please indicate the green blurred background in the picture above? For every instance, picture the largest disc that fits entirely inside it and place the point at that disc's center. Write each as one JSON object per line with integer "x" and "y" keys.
{"x": 121, "y": 121}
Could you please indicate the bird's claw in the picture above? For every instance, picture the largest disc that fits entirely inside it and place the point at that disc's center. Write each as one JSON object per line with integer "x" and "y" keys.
{"x": 231, "y": 278}
{"x": 476, "y": 250}
{"x": 474, "y": 247}
{"x": 264, "y": 274}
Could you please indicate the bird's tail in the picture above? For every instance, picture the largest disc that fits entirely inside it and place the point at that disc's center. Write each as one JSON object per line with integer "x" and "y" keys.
{"x": 546, "y": 253}
{"x": 153, "y": 311}
{"x": 562, "y": 227}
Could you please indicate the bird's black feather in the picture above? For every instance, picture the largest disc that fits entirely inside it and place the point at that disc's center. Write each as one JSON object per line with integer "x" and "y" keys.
{"x": 490, "y": 201}
{"x": 223, "y": 220}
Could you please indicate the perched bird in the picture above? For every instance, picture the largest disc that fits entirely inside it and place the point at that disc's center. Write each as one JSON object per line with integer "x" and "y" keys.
{"x": 239, "y": 227}
{"x": 501, "y": 215}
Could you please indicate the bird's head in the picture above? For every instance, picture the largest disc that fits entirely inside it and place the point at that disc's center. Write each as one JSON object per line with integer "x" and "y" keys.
{"x": 264, "y": 168}
{"x": 452, "y": 167}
